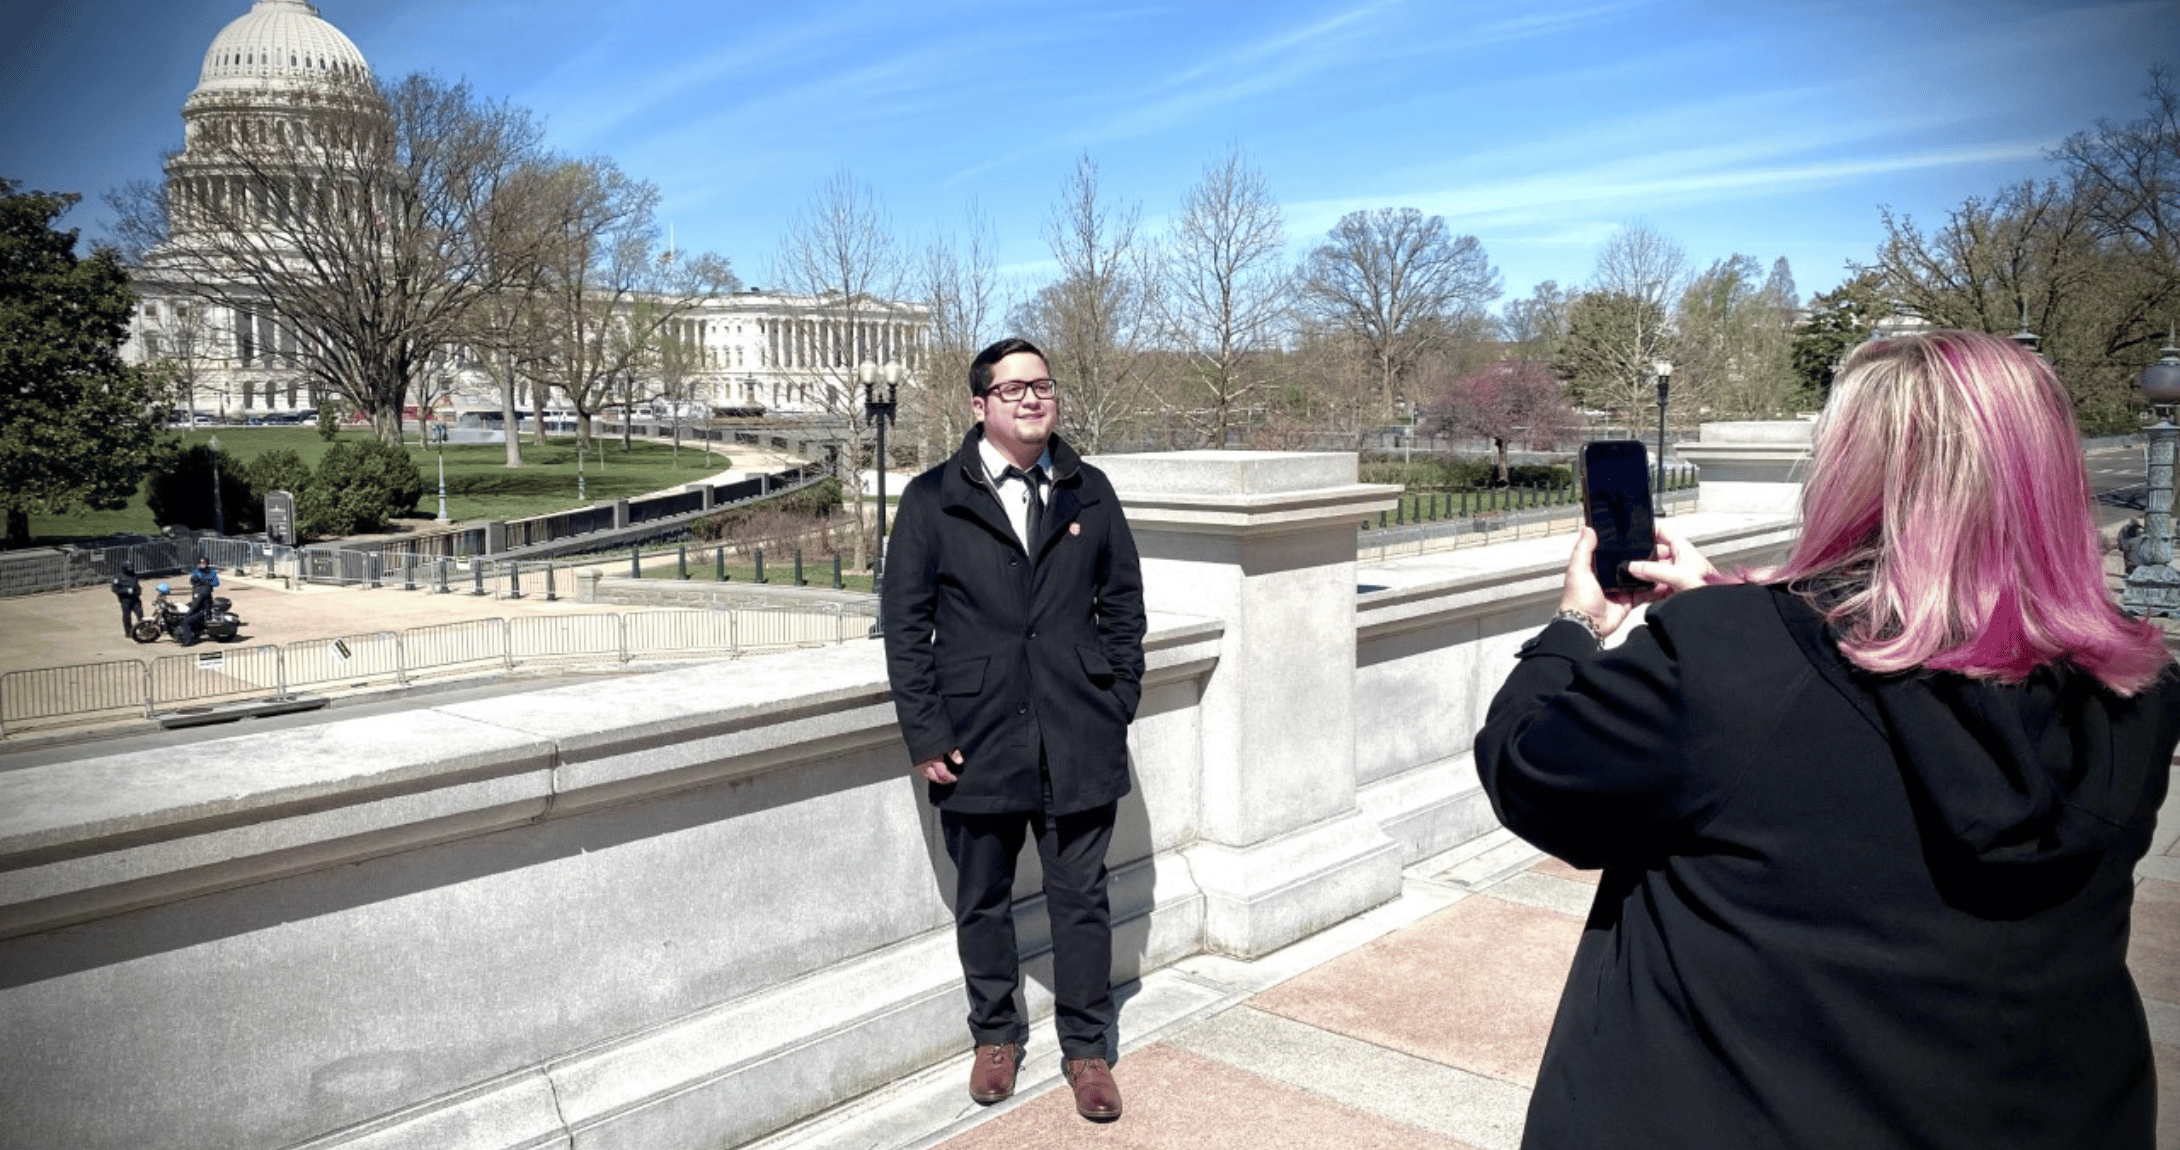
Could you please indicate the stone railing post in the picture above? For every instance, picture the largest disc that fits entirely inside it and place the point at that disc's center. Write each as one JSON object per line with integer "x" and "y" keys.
{"x": 1266, "y": 542}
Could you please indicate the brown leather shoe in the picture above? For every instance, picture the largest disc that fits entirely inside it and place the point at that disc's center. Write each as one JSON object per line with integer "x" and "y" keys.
{"x": 1097, "y": 1096}
{"x": 992, "y": 1078}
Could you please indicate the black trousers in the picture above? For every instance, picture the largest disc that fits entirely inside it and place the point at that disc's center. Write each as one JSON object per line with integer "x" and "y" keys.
{"x": 1071, "y": 849}
{"x": 132, "y": 610}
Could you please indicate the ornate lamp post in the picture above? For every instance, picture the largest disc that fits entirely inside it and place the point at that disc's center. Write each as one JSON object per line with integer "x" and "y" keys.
{"x": 219, "y": 516}
{"x": 2153, "y": 587}
{"x": 880, "y": 413}
{"x": 439, "y": 437}
{"x": 2026, "y": 338}
{"x": 1663, "y": 369}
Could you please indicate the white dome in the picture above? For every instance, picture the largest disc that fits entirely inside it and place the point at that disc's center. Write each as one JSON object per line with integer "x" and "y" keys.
{"x": 280, "y": 44}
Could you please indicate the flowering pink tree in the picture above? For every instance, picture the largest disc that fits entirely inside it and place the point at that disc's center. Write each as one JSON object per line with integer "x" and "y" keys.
{"x": 1503, "y": 402}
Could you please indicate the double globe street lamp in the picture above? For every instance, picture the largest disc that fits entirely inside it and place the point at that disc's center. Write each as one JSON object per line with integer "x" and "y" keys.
{"x": 880, "y": 412}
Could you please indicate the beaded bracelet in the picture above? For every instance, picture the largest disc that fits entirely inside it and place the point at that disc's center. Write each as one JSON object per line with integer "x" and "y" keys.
{"x": 1588, "y": 624}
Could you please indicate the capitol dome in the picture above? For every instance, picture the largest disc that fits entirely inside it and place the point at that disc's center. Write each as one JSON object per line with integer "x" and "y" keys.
{"x": 276, "y": 45}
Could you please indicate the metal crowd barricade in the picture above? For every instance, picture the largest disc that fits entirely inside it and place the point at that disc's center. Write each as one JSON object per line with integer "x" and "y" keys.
{"x": 448, "y": 648}
{"x": 345, "y": 566}
{"x": 230, "y": 554}
{"x": 29, "y": 574}
{"x": 680, "y": 633}
{"x": 565, "y": 638}
{"x": 364, "y": 660}
{"x": 774, "y": 628}
{"x": 77, "y": 692}
{"x": 532, "y": 579}
{"x": 215, "y": 676}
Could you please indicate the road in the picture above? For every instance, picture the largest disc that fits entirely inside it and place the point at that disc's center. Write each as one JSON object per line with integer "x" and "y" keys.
{"x": 2119, "y": 481}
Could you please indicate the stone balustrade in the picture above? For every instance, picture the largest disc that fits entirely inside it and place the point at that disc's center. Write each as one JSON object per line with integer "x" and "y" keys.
{"x": 685, "y": 908}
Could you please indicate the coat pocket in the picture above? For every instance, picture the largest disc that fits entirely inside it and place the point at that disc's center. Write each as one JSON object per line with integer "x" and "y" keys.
{"x": 963, "y": 678}
{"x": 1095, "y": 666}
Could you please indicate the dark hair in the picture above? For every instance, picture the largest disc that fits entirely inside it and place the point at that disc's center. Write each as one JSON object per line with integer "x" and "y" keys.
{"x": 980, "y": 368}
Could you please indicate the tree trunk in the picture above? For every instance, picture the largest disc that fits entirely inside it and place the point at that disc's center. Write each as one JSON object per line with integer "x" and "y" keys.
{"x": 1501, "y": 445}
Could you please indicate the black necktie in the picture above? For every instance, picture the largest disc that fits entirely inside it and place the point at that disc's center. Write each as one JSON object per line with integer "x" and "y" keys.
{"x": 1034, "y": 511}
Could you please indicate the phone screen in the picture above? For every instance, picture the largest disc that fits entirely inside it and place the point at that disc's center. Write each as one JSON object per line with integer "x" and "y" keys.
{"x": 1616, "y": 500}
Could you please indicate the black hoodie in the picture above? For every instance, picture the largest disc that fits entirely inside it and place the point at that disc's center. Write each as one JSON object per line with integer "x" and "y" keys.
{"x": 1837, "y": 909}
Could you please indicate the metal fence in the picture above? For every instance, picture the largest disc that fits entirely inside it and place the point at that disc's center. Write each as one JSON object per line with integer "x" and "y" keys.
{"x": 85, "y": 691}
{"x": 132, "y": 688}
{"x": 1545, "y": 516}
{"x": 67, "y": 568}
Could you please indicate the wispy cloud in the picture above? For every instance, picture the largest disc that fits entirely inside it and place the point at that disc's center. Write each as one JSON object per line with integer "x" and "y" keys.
{"x": 1549, "y": 197}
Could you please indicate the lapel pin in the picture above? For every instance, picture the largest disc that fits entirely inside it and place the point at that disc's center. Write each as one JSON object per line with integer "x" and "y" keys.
{"x": 1074, "y": 529}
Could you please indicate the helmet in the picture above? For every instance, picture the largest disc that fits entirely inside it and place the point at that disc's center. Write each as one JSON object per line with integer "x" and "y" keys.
{"x": 163, "y": 589}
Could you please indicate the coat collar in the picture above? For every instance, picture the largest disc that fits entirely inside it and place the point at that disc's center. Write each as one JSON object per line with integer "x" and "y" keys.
{"x": 967, "y": 487}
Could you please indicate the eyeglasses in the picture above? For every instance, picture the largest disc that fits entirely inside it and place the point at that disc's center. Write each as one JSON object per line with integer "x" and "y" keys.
{"x": 1013, "y": 390}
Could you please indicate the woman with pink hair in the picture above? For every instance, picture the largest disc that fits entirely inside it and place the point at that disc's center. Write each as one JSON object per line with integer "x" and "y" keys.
{"x": 1868, "y": 821}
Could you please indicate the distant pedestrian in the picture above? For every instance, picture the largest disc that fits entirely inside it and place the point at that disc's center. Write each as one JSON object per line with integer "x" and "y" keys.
{"x": 131, "y": 593}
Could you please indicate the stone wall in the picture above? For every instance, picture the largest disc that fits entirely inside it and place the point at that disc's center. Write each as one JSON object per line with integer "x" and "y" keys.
{"x": 688, "y": 908}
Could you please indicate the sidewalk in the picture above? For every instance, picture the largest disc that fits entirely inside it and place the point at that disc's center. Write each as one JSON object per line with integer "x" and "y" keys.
{"x": 1417, "y": 1026}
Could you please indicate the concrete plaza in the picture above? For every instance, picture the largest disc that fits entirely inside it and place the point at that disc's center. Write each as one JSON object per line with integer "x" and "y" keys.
{"x": 1418, "y": 1025}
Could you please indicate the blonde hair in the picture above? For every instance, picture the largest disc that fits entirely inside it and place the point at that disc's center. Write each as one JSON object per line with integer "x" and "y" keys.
{"x": 1946, "y": 521}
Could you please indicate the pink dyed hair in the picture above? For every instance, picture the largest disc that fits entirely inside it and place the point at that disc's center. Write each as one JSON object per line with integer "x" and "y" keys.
{"x": 1946, "y": 521}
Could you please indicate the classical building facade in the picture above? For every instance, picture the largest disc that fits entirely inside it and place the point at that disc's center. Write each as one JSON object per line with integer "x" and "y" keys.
{"x": 746, "y": 353}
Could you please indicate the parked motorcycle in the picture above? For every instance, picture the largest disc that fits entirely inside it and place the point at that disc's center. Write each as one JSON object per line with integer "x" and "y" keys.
{"x": 220, "y": 624}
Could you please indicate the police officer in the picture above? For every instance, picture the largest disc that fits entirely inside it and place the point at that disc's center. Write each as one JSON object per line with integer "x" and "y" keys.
{"x": 131, "y": 593}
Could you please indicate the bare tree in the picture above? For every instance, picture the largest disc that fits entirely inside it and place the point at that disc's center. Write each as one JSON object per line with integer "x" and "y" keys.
{"x": 958, "y": 281}
{"x": 1228, "y": 295}
{"x": 1533, "y": 328}
{"x": 1098, "y": 318}
{"x": 1732, "y": 344}
{"x": 841, "y": 255}
{"x": 1640, "y": 261}
{"x": 2128, "y": 175}
{"x": 349, "y": 222}
{"x": 610, "y": 290}
{"x": 182, "y": 339}
{"x": 2032, "y": 255}
{"x": 1394, "y": 279}
{"x": 510, "y": 334}
{"x": 1617, "y": 328}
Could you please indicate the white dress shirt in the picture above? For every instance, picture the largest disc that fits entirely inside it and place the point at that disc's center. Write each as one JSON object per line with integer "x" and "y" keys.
{"x": 1013, "y": 492}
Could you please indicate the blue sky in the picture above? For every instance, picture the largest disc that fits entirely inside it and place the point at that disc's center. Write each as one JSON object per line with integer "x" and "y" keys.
{"x": 1764, "y": 127}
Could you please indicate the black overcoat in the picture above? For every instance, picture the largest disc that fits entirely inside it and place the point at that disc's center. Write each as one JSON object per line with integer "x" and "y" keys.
{"x": 1836, "y": 909}
{"x": 999, "y": 655}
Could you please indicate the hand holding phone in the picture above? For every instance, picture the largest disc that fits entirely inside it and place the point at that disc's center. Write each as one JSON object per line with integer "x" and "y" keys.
{"x": 1616, "y": 504}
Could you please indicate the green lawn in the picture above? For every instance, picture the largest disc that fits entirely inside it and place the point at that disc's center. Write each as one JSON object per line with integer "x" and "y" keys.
{"x": 817, "y": 570}
{"x": 480, "y": 485}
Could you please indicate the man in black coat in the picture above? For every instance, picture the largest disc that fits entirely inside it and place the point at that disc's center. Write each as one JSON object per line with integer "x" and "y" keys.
{"x": 1014, "y": 642}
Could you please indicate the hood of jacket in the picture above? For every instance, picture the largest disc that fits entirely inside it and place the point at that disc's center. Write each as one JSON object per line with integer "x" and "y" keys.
{"x": 2021, "y": 789}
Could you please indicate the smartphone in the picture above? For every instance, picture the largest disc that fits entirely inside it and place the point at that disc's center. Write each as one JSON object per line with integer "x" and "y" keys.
{"x": 1616, "y": 500}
